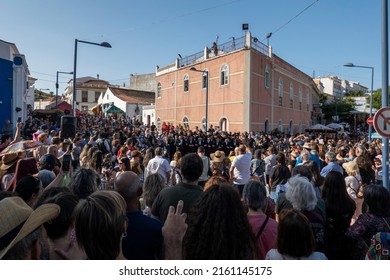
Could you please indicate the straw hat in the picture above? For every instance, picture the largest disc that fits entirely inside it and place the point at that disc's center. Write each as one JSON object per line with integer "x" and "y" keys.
{"x": 294, "y": 154}
{"x": 218, "y": 156}
{"x": 9, "y": 160}
{"x": 16, "y": 213}
{"x": 350, "y": 167}
{"x": 307, "y": 146}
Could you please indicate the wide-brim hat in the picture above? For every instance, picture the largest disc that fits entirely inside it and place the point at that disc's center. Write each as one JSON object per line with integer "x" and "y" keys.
{"x": 350, "y": 166}
{"x": 307, "y": 146}
{"x": 218, "y": 156}
{"x": 18, "y": 220}
{"x": 9, "y": 160}
{"x": 294, "y": 154}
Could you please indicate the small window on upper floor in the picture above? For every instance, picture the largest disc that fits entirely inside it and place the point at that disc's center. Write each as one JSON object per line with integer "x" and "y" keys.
{"x": 224, "y": 75}
{"x": 300, "y": 94}
{"x": 267, "y": 77}
{"x": 307, "y": 101}
{"x": 84, "y": 96}
{"x": 158, "y": 90}
{"x": 280, "y": 92}
{"x": 97, "y": 95}
{"x": 186, "y": 83}
{"x": 291, "y": 95}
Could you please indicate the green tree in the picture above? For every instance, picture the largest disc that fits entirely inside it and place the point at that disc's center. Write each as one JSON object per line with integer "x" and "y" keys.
{"x": 377, "y": 99}
{"x": 354, "y": 93}
{"x": 341, "y": 108}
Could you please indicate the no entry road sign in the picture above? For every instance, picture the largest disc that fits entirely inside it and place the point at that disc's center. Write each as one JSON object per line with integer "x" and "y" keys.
{"x": 382, "y": 121}
{"x": 370, "y": 121}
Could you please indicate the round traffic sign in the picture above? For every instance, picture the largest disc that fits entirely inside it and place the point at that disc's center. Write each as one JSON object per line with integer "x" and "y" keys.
{"x": 370, "y": 121}
{"x": 382, "y": 121}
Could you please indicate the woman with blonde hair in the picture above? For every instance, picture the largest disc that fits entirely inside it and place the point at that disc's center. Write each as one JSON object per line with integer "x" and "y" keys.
{"x": 352, "y": 182}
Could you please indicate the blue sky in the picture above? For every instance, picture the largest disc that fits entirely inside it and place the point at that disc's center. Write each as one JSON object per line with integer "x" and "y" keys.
{"x": 147, "y": 33}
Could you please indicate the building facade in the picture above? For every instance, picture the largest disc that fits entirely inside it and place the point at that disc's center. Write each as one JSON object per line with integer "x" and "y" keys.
{"x": 245, "y": 86}
{"x": 16, "y": 85}
{"x": 88, "y": 91}
{"x": 130, "y": 101}
{"x": 333, "y": 85}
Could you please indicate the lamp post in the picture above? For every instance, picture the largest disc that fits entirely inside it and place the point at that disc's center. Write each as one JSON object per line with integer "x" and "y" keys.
{"x": 206, "y": 73}
{"x": 372, "y": 91}
{"x": 103, "y": 44}
{"x": 40, "y": 96}
{"x": 70, "y": 73}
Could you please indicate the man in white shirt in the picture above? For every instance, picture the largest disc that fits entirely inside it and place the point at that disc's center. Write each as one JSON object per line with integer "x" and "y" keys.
{"x": 240, "y": 168}
{"x": 160, "y": 165}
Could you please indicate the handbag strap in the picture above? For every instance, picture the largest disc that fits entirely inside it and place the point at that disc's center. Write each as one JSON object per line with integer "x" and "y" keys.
{"x": 257, "y": 168}
{"x": 387, "y": 224}
{"x": 262, "y": 227}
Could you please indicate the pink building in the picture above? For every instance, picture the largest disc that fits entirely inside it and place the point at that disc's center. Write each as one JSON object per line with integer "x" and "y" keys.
{"x": 248, "y": 88}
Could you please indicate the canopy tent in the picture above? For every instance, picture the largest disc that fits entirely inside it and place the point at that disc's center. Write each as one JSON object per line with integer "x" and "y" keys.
{"x": 95, "y": 109}
{"x": 320, "y": 127}
{"x": 113, "y": 110}
{"x": 63, "y": 106}
{"x": 376, "y": 135}
{"x": 335, "y": 126}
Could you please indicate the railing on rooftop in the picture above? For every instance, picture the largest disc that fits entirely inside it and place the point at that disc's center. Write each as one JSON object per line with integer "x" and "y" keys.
{"x": 191, "y": 59}
{"x": 230, "y": 46}
{"x": 259, "y": 46}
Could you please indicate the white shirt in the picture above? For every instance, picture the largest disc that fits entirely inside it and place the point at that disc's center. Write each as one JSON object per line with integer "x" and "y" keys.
{"x": 242, "y": 166}
{"x": 158, "y": 165}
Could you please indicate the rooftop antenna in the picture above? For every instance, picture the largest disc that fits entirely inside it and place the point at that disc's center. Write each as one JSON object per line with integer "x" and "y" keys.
{"x": 268, "y": 36}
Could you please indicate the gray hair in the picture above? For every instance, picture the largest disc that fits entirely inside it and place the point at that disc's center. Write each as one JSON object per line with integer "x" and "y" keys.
{"x": 305, "y": 155}
{"x": 301, "y": 193}
{"x": 254, "y": 194}
{"x": 84, "y": 182}
{"x": 331, "y": 156}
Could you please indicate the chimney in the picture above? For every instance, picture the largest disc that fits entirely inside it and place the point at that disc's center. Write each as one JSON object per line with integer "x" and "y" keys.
{"x": 97, "y": 76}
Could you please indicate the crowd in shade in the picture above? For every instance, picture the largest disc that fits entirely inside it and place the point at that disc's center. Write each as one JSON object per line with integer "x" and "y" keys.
{"x": 120, "y": 189}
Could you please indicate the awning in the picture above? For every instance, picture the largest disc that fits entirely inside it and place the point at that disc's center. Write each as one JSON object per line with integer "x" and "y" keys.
{"x": 95, "y": 109}
{"x": 113, "y": 110}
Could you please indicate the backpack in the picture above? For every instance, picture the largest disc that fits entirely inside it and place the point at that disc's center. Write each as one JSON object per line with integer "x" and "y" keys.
{"x": 379, "y": 249}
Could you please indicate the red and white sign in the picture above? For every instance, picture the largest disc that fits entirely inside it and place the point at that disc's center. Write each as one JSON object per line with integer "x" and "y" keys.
{"x": 382, "y": 121}
{"x": 370, "y": 121}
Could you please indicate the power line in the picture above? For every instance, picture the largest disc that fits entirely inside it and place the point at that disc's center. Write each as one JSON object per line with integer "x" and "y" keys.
{"x": 297, "y": 15}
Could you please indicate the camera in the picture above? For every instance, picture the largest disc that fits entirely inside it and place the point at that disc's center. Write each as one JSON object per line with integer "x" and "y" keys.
{"x": 19, "y": 119}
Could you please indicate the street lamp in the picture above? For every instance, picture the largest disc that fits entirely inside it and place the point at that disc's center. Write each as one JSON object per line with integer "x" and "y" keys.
{"x": 206, "y": 73}
{"x": 372, "y": 91}
{"x": 103, "y": 44}
{"x": 70, "y": 73}
{"x": 40, "y": 96}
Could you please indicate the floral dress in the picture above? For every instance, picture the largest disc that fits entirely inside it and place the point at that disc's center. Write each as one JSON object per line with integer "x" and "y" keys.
{"x": 361, "y": 232}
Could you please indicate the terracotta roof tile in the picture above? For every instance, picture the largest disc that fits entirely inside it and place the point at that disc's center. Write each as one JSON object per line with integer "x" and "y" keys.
{"x": 133, "y": 96}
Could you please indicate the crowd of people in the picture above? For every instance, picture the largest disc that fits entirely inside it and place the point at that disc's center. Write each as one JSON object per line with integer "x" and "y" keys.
{"x": 120, "y": 189}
